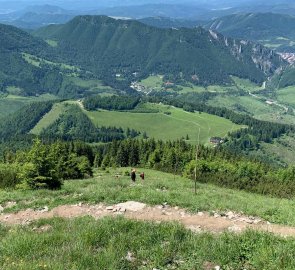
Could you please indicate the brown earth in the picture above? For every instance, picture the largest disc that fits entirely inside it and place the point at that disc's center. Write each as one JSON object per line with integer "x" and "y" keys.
{"x": 202, "y": 221}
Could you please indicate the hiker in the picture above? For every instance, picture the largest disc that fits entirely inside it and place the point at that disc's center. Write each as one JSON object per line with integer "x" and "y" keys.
{"x": 133, "y": 175}
{"x": 142, "y": 175}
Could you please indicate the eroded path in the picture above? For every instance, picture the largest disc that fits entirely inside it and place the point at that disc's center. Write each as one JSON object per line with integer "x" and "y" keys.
{"x": 199, "y": 222}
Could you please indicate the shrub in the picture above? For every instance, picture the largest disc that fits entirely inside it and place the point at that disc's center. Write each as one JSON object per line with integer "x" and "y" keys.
{"x": 8, "y": 175}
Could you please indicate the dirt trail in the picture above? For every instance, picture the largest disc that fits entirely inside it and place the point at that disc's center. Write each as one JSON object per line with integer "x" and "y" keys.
{"x": 199, "y": 222}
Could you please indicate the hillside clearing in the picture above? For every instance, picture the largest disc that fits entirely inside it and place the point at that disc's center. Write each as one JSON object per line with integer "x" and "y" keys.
{"x": 49, "y": 118}
{"x": 169, "y": 123}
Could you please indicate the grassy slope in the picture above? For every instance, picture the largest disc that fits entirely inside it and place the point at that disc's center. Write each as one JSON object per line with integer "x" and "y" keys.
{"x": 287, "y": 95}
{"x": 88, "y": 244}
{"x": 253, "y": 106}
{"x": 158, "y": 188}
{"x": 282, "y": 148}
{"x": 167, "y": 127}
{"x": 12, "y": 103}
{"x": 49, "y": 118}
{"x": 36, "y": 61}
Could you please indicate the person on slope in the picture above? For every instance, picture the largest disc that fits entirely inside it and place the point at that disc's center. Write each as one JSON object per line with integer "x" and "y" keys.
{"x": 133, "y": 175}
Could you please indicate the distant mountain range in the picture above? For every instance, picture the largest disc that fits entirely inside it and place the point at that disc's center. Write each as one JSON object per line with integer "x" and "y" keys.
{"x": 276, "y": 31}
{"x": 39, "y": 15}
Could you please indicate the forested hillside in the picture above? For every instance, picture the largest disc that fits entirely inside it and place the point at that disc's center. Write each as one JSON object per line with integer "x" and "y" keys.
{"x": 274, "y": 30}
{"x": 108, "y": 46}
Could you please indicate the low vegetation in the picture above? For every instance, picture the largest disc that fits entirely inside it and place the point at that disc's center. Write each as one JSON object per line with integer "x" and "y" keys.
{"x": 123, "y": 244}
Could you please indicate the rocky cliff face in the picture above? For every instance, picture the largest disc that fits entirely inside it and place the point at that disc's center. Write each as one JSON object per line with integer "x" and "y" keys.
{"x": 264, "y": 58}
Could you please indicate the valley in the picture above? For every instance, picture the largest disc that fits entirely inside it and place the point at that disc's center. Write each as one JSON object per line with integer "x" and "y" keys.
{"x": 82, "y": 234}
{"x": 162, "y": 137}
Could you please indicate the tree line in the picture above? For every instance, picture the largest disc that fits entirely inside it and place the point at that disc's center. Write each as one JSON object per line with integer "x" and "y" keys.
{"x": 217, "y": 166}
{"x": 117, "y": 103}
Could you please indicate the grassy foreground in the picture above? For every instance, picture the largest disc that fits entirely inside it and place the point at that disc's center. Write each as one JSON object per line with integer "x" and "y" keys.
{"x": 118, "y": 243}
{"x": 158, "y": 188}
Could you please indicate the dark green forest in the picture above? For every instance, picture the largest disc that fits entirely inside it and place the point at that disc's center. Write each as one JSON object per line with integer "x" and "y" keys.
{"x": 21, "y": 122}
{"x": 116, "y": 103}
{"x": 108, "y": 46}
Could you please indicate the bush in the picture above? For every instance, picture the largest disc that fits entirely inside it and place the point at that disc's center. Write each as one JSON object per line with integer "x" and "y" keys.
{"x": 8, "y": 175}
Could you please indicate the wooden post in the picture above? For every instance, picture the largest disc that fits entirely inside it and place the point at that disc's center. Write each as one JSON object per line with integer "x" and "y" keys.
{"x": 197, "y": 154}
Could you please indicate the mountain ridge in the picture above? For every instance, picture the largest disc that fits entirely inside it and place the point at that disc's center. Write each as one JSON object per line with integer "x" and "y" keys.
{"x": 146, "y": 49}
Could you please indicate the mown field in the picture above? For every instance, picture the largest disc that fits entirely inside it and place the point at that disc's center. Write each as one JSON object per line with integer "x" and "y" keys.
{"x": 168, "y": 123}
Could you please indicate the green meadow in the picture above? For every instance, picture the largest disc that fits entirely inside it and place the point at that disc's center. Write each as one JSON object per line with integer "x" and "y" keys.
{"x": 168, "y": 123}
{"x": 287, "y": 95}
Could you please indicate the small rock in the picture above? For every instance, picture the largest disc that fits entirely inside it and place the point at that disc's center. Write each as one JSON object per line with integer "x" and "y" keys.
{"x": 217, "y": 267}
{"x": 248, "y": 220}
{"x": 195, "y": 229}
{"x": 1, "y": 209}
{"x": 176, "y": 208}
{"x": 230, "y": 215}
{"x": 200, "y": 214}
{"x": 10, "y": 205}
{"x": 234, "y": 229}
{"x": 268, "y": 223}
{"x": 130, "y": 257}
{"x": 44, "y": 228}
{"x": 132, "y": 206}
{"x": 216, "y": 215}
{"x": 257, "y": 221}
{"x": 80, "y": 204}
{"x": 44, "y": 209}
